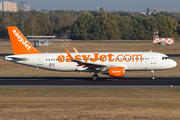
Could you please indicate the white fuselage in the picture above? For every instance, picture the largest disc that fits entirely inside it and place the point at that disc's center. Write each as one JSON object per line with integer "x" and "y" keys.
{"x": 131, "y": 61}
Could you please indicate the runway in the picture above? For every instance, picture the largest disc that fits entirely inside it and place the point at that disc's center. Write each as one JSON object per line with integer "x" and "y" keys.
{"x": 86, "y": 82}
{"x": 170, "y": 55}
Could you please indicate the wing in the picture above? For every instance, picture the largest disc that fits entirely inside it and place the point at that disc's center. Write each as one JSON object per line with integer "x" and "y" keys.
{"x": 85, "y": 64}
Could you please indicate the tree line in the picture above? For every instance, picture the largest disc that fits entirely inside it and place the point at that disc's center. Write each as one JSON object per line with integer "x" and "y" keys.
{"x": 91, "y": 25}
{"x": 104, "y": 25}
{"x": 37, "y": 23}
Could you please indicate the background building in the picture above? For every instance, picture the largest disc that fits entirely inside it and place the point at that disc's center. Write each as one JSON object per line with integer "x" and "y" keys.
{"x": 28, "y": 7}
{"x": 149, "y": 11}
{"x": 8, "y": 6}
{"x": 157, "y": 11}
{"x": 97, "y": 8}
{"x": 23, "y": 6}
{"x": 20, "y": 6}
{"x": 1, "y": 7}
{"x": 13, "y": 7}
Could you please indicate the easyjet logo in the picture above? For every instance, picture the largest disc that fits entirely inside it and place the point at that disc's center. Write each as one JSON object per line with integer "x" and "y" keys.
{"x": 20, "y": 39}
{"x": 116, "y": 71}
{"x": 102, "y": 58}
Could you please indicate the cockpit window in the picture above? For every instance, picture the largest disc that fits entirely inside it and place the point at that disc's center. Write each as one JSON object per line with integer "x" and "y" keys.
{"x": 165, "y": 58}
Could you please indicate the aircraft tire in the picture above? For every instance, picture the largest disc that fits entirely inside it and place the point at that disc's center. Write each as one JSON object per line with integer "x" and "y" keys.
{"x": 95, "y": 77}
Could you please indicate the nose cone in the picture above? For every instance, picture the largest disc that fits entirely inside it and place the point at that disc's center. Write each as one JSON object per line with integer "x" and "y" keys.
{"x": 173, "y": 63}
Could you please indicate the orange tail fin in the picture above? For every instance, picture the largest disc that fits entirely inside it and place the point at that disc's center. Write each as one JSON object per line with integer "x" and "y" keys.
{"x": 19, "y": 43}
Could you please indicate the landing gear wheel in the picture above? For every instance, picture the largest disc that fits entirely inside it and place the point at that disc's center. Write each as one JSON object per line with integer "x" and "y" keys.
{"x": 94, "y": 77}
{"x": 152, "y": 73}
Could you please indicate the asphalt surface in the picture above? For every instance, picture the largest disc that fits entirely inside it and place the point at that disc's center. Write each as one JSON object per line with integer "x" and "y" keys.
{"x": 170, "y": 55}
{"x": 86, "y": 82}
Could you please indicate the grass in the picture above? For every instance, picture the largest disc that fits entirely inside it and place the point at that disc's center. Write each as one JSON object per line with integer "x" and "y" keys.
{"x": 103, "y": 104}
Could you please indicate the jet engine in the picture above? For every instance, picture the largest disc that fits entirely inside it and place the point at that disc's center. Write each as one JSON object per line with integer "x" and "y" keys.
{"x": 114, "y": 71}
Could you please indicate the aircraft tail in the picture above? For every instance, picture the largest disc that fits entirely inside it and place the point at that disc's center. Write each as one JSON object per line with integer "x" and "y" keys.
{"x": 19, "y": 43}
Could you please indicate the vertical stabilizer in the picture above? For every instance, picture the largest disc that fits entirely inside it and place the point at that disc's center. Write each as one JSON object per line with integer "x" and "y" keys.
{"x": 19, "y": 43}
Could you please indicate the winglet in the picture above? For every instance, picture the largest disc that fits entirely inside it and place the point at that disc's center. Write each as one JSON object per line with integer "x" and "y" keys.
{"x": 19, "y": 43}
{"x": 75, "y": 50}
{"x": 69, "y": 55}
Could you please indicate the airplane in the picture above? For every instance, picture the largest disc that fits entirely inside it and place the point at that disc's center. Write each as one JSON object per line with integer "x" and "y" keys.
{"x": 114, "y": 64}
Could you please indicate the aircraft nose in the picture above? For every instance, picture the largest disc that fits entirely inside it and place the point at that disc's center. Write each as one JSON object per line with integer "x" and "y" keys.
{"x": 173, "y": 63}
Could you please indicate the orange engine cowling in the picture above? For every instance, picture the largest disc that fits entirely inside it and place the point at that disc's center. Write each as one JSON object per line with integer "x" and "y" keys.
{"x": 116, "y": 71}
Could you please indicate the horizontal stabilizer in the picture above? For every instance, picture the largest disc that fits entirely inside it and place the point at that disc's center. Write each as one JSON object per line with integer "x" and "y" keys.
{"x": 15, "y": 58}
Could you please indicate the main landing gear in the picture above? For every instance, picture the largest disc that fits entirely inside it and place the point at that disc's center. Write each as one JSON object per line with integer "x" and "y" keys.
{"x": 152, "y": 73}
{"x": 95, "y": 76}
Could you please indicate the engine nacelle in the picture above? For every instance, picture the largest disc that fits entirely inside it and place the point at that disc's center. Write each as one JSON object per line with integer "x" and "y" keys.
{"x": 115, "y": 71}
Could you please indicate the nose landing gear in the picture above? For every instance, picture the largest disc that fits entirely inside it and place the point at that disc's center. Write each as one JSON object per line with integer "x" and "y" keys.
{"x": 152, "y": 73}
